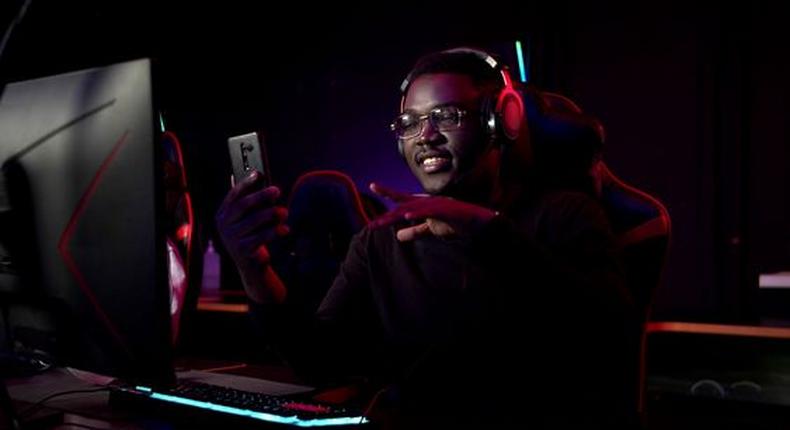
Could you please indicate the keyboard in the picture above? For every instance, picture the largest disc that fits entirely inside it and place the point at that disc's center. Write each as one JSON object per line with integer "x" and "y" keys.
{"x": 200, "y": 402}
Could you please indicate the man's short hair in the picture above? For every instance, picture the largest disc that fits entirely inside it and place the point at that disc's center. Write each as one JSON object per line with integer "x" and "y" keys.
{"x": 463, "y": 63}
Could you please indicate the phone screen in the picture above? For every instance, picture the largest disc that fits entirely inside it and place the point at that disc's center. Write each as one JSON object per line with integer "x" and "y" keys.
{"x": 248, "y": 154}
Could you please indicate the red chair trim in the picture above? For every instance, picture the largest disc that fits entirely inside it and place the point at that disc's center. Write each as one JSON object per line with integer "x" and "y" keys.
{"x": 343, "y": 178}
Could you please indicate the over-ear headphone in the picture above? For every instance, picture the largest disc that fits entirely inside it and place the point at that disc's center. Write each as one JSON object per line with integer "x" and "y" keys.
{"x": 501, "y": 113}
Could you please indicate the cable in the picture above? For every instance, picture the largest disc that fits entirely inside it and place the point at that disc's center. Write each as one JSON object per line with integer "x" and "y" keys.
{"x": 8, "y": 408}
{"x": 35, "y": 406}
{"x": 17, "y": 19}
{"x": 372, "y": 402}
{"x": 83, "y": 426}
{"x": 7, "y": 36}
{"x": 6, "y": 324}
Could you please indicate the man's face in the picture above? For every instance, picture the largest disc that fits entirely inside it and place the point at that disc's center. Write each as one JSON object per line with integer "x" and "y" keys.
{"x": 444, "y": 156}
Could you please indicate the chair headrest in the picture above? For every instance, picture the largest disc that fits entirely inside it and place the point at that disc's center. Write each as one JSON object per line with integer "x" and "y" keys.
{"x": 566, "y": 142}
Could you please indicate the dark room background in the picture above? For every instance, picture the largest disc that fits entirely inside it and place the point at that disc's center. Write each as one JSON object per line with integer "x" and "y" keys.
{"x": 694, "y": 100}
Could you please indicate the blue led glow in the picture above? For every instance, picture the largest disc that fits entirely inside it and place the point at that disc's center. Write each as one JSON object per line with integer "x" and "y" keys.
{"x": 141, "y": 388}
{"x": 521, "y": 67}
{"x": 161, "y": 122}
{"x": 291, "y": 420}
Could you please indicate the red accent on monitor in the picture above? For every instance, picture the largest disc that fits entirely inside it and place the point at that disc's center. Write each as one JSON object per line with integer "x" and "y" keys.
{"x": 65, "y": 238}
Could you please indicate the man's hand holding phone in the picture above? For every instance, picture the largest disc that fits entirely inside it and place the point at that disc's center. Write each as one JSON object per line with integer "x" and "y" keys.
{"x": 247, "y": 220}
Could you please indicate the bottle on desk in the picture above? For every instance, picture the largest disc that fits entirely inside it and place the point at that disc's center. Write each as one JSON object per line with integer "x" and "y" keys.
{"x": 210, "y": 285}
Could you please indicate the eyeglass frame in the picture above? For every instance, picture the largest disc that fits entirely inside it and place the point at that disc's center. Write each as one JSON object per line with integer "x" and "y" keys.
{"x": 462, "y": 113}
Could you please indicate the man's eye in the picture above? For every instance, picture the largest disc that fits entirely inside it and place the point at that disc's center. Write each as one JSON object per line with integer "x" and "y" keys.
{"x": 443, "y": 116}
{"x": 408, "y": 120}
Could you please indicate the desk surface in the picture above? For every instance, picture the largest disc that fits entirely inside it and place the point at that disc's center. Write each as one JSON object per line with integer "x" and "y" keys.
{"x": 705, "y": 368}
{"x": 92, "y": 409}
{"x": 223, "y": 301}
{"x": 718, "y": 329}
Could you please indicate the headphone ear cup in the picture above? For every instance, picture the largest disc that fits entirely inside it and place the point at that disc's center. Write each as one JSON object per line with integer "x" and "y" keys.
{"x": 509, "y": 114}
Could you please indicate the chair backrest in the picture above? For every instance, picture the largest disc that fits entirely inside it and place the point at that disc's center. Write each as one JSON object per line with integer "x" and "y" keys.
{"x": 326, "y": 205}
{"x": 325, "y": 210}
{"x": 642, "y": 227}
{"x": 640, "y": 222}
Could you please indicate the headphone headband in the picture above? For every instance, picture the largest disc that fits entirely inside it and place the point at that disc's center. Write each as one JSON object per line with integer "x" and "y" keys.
{"x": 482, "y": 55}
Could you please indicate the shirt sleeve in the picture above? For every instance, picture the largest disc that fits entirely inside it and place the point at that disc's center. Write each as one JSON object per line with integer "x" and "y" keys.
{"x": 331, "y": 345}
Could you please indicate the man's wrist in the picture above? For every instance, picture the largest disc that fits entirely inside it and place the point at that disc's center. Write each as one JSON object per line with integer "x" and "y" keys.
{"x": 262, "y": 284}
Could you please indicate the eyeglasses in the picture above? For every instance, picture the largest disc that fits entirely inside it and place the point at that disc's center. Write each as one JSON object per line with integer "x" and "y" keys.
{"x": 443, "y": 118}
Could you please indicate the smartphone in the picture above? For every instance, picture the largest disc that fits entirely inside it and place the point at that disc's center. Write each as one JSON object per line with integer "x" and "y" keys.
{"x": 248, "y": 154}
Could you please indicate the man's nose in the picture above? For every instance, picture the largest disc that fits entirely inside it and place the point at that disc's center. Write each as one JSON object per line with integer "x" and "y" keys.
{"x": 430, "y": 135}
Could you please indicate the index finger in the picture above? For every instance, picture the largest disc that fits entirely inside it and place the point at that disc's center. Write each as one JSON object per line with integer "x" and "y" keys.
{"x": 241, "y": 189}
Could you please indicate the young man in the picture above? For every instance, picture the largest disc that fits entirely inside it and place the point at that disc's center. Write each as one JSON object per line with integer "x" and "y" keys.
{"x": 488, "y": 284}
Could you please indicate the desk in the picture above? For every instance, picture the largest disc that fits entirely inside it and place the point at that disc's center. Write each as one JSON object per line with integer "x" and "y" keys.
{"x": 222, "y": 330}
{"x": 718, "y": 329}
{"x": 92, "y": 410}
{"x": 717, "y": 376}
{"x": 223, "y": 301}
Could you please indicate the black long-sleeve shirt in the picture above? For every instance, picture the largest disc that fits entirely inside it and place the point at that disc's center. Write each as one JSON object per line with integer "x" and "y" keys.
{"x": 536, "y": 301}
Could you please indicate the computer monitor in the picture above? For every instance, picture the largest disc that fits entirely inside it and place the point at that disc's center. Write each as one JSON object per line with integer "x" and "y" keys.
{"x": 83, "y": 177}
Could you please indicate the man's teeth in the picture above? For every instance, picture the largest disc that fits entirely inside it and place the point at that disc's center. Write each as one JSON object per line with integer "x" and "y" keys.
{"x": 432, "y": 161}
